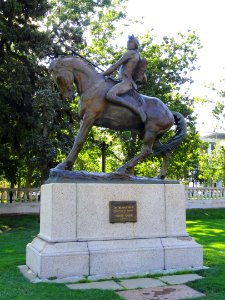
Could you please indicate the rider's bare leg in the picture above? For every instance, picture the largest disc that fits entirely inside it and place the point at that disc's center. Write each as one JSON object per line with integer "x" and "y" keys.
{"x": 120, "y": 89}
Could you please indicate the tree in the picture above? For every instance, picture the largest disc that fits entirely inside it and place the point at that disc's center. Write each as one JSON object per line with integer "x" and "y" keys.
{"x": 20, "y": 50}
{"x": 212, "y": 165}
{"x": 70, "y": 22}
{"x": 52, "y": 135}
{"x": 37, "y": 127}
{"x": 218, "y": 106}
{"x": 219, "y": 109}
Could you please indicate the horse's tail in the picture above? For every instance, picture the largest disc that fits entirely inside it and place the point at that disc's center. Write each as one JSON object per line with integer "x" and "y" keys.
{"x": 176, "y": 140}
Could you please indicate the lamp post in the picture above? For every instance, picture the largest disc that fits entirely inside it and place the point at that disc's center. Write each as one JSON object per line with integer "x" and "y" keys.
{"x": 103, "y": 146}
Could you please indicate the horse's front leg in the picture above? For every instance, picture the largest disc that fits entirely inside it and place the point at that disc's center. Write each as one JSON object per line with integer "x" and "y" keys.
{"x": 86, "y": 125}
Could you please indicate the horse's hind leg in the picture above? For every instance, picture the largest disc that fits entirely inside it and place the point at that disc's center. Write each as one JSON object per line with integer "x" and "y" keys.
{"x": 149, "y": 139}
{"x": 128, "y": 167}
{"x": 166, "y": 158}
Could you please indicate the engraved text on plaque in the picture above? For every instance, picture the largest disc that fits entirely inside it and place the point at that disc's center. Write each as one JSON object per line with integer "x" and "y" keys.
{"x": 122, "y": 211}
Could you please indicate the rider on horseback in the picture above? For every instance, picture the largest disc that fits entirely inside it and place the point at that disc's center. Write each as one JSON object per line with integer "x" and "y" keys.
{"x": 128, "y": 66}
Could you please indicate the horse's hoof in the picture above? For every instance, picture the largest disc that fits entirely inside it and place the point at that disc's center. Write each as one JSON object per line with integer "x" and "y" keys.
{"x": 60, "y": 166}
{"x": 66, "y": 165}
{"x": 161, "y": 177}
{"x": 121, "y": 170}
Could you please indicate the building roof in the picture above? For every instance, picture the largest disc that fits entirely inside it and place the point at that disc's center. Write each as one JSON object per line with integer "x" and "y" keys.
{"x": 213, "y": 137}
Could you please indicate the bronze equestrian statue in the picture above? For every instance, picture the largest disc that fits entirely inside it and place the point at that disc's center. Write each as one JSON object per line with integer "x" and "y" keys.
{"x": 106, "y": 103}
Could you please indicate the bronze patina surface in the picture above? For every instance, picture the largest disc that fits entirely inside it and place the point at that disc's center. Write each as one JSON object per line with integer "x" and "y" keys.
{"x": 65, "y": 176}
{"x": 106, "y": 103}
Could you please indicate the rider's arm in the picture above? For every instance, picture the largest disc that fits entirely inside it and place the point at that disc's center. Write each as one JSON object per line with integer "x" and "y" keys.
{"x": 122, "y": 60}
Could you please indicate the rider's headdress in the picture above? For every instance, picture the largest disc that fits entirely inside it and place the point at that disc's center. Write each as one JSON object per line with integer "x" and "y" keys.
{"x": 133, "y": 38}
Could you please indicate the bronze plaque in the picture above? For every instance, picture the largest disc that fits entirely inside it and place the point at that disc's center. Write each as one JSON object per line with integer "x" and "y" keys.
{"x": 122, "y": 211}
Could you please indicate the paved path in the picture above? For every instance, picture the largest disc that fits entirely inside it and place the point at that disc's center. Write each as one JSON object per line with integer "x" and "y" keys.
{"x": 172, "y": 292}
{"x": 147, "y": 288}
{"x": 162, "y": 288}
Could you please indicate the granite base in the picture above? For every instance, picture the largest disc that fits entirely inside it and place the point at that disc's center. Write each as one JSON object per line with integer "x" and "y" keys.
{"x": 77, "y": 239}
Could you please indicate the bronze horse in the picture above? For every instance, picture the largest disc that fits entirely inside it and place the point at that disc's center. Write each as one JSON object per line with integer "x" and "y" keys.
{"x": 94, "y": 109}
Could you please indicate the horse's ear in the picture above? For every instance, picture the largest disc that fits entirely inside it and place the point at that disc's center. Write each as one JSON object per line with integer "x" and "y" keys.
{"x": 54, "y": 63}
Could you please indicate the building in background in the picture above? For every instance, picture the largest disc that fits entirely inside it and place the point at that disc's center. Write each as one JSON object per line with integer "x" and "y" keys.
{"x": 213, "y": 139}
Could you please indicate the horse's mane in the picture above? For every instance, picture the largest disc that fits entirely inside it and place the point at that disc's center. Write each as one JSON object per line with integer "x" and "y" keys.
{"x": 65, "y": 61}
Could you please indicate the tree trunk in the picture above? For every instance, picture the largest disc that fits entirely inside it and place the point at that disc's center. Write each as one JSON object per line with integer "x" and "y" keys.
{"x": 29, "y": 177}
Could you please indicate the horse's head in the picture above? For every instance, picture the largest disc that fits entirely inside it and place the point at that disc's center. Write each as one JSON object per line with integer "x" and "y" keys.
{"x": 63, "y": 77}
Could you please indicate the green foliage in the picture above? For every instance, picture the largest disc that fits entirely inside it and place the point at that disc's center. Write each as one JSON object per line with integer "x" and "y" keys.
{"x": 37, "y": 128}
{"x": 100, "y": 140}
{"x": 20, "y": 46}
{"x": 212, "y": 165}
{"x": 101, "y": 46}
{"x": 170, "y": 63}
{"x": 219, "y": 111}
{"x": 53, "y": 134}
{"x": 219, "y": 108}
{"x": 69, "y": 21}
{"x": 185, "y": 158}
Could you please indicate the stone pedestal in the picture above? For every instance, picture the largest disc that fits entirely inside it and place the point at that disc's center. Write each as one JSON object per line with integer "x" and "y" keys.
{"x": 76, "y": 237}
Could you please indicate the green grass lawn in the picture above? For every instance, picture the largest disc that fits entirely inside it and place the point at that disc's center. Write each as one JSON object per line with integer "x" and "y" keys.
{"x": 206, "y": 226}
